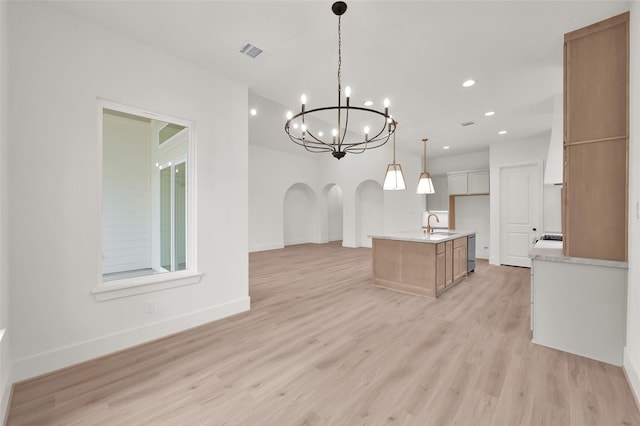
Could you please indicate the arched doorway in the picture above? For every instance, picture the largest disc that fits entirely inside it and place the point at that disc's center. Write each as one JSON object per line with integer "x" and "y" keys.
{"x": 300, "y": 215}
{"x": 331, "y": 213}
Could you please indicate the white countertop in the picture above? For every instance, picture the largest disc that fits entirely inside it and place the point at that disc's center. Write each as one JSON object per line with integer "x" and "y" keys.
{"x": 418, "y": 236}
{"x": 552, "y": 251}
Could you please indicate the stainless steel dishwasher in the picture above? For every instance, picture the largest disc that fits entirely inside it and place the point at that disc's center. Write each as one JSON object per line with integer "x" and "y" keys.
{"x": 471, "y": 253}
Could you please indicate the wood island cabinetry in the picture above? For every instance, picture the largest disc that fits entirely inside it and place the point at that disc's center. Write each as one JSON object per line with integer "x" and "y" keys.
{"x": 419, "y": 266}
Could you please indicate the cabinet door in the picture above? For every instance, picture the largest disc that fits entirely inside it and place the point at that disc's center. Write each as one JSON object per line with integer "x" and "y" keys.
{"x": 441, "y": 265}
{"x": 459, "y": 258}
{"x": 457, "y": 183}
{"x": 478, "y": 182}
{"x": 448, "y": 250}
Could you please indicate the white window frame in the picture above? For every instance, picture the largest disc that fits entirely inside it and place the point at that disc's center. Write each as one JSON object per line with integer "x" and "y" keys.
{"x": 154, "y": 282}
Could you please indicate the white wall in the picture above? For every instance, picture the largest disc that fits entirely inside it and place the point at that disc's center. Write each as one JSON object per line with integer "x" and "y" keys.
{"x": 506, "y": 154}
{"x": 6, "y": 361}
{"x": 275, "y": 164}
{"x": 632, "y": 350}
{"x": 472, "y": 213}
{"x": 452, "y": 163}
{"x": 58, "y": 68}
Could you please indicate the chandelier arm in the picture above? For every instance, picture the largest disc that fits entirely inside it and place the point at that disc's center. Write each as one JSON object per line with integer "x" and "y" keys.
{"x": 309, "y": 147}
{"x": 320, "y": 141}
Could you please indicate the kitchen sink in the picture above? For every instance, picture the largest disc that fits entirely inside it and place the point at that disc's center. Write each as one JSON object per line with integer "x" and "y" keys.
{"x": 444, "y": 233}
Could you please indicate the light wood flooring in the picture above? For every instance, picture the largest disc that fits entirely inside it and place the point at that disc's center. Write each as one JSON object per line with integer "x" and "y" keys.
{"x": 322, "y": 345}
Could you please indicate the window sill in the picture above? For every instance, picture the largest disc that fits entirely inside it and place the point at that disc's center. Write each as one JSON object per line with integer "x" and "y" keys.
{"x": 139, "y": 285}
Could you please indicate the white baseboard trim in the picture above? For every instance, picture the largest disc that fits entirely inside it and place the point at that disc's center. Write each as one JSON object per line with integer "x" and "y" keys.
{"x": 350, "y": 244}
{"x": 6, "y": 386}
{"x": 633, "y": 378}
{"x": 264, "y": 247}
{"x": 56, "y": 359}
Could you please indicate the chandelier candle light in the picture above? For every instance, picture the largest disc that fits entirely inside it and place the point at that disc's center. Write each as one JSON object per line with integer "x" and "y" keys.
{"x": 338, "y": 144}
{"x": 425, "y": 184}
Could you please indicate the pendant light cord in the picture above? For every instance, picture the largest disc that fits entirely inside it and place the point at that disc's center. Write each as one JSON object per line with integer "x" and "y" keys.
{"x": 339, "y": 55}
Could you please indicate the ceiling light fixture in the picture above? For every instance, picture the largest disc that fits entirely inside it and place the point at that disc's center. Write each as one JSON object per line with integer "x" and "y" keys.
{"x": 446, "y": 147}
{"x": 468, "y": 83}
{"x": 367, "y": 103}
{"x": 253, "y": 111}
{"x": 339, "y": 145}
{"x": 425, "y": 184}
{"x": 489, "y": 113}
{"x": 394, "y": 179}
{"x": 502, "y": 132}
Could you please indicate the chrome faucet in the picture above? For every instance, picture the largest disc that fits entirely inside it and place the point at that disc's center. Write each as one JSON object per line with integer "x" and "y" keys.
{"x": 429, "y": 228}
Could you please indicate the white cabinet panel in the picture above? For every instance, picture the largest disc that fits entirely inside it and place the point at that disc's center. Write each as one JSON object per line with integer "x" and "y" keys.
{"x": 457, "y": 183}
{"x": 478, "y": 182}
{"x": 469, "y": 182}
{"x": 580, "y": 309}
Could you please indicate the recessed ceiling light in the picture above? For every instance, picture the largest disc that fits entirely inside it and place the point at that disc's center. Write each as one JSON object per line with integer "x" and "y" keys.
{"x": 446, "y": 147}
{"x": 502, "y": 132}
{"x": 489, "y": 113}
{"x": 253, "y": 111}
{"x": 367, "y": 103}
{"x": 320, "y": 134}
{"x": 468, "y": 83}
{"x": 295, "y": 125}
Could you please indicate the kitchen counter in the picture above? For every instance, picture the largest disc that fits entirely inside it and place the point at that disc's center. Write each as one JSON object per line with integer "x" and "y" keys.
{"x": 419, "y": 263}
{"x": 552, "y": 251}
{"x": 438, "y": 236}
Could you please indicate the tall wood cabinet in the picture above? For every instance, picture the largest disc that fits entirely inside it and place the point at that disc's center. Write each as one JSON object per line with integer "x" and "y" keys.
{"x": 596, "y": 140}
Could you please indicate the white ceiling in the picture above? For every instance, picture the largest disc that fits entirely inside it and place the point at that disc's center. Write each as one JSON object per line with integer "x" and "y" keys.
{"x": 416, "y": 53}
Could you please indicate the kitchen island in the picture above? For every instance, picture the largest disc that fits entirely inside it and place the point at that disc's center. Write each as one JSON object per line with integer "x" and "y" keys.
{"x": 420, "y": 263}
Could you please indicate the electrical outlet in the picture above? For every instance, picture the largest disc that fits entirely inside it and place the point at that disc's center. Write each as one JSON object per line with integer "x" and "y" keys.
{"x": 149, "y": 306}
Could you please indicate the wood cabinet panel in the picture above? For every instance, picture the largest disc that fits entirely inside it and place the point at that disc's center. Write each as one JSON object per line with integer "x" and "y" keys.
{"x": 448, "y": 279}
{"x": 459, "y": 262}
{"x": 441, "y": 264}
{"x": 418, "y": 264}
{"x": 596, "y": 81}
{"x": 387, "y": 259}
{"x": 596, "y": 200}
{"x": 596, "y": 142}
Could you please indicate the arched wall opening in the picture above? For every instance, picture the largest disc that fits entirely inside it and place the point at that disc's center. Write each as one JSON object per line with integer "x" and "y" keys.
{"x": 369, "y": 211}
{"x": 300, "y": 215}
{"x": 332, "y": 219}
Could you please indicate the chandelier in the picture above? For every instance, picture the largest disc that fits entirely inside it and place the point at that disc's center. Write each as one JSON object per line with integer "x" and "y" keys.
{"x": 341, "y": 141}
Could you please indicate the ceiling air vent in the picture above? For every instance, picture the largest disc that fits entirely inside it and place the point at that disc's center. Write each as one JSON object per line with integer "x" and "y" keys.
{"x": 467, "y": 123}
{"x": 250, "y": 50}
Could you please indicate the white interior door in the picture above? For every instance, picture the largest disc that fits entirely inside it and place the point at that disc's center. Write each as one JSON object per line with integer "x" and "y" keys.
{"x": 520, "y": 212}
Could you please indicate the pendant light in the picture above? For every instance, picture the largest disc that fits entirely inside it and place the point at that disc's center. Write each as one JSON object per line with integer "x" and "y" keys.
{"x": 425, "y": 184}
{"x": 394, "y": 179}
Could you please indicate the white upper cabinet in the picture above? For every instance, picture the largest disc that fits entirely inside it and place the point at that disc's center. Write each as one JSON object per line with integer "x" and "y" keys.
{"x": 468, "y": 182}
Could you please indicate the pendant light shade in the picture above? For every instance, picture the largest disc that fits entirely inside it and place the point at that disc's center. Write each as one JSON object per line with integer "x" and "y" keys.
{"x": 425, "y": 184}
{"x": 394, "y": 179}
